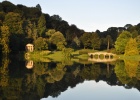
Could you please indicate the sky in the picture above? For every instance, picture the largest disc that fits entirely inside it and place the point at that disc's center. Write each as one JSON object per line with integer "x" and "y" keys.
{"x": 90, "y": 15}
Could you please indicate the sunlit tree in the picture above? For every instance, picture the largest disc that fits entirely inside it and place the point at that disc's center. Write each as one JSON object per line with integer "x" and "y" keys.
{"x": 4, "y": 39}
{"x": 122, "y": 41}
{"x": 131, "y": 47}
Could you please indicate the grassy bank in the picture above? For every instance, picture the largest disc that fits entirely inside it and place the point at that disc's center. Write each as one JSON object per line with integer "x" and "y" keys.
{"x": 58, "y": 56}
{"x": 37, "y": 56}
{"x": 133, "y": 57}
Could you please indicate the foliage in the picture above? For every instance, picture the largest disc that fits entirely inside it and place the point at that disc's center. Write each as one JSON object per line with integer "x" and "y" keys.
{"x": 95, "y": 41}
{"x": 131, "y": 67}
{"x": 121, "y": 72}
{"x": 14, "y": 22}
{"x": 4, "y": 39}
{"x": 138, "y": 42}
{"x": 91, "y": 73}
{"x": 67, "y": 52}
{"x": 41, "y": 44}
{"x": 58, "y": 39}
{"x": 55, "y": 74}
{"x": 4, "y": 72}
{"x": 41, "y": 25}
{"x": 86, "y": 40}
{"x": 122, "y": 41}
{"x": 131, "y": 47}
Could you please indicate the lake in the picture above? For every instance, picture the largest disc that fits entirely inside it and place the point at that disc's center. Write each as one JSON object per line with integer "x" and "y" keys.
{"x": 69, "y": 80}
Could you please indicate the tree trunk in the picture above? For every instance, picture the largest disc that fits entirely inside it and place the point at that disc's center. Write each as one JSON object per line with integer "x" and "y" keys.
{"x": 108, "y": 45}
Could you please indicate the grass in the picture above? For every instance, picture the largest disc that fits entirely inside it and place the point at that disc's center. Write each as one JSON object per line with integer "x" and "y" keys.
{"x": 58, "y": 56}
{"x": 133, "y": 57}
{"x": 37, "y": 56}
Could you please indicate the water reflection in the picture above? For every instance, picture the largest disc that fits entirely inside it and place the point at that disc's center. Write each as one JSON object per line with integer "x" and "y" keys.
{"x": 91, "y": 90}
{"x": 21, "y": 80}
{"x": 29, "y": 64}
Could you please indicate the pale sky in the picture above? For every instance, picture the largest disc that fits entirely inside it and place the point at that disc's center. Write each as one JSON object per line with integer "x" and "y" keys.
{"x": 90, "y": 15}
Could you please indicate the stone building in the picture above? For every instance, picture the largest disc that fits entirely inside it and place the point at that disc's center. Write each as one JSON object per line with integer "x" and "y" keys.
{"x": 30, "y": 47}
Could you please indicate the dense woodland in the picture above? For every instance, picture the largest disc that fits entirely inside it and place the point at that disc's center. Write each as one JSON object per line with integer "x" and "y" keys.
{"x": 20, "y": 25}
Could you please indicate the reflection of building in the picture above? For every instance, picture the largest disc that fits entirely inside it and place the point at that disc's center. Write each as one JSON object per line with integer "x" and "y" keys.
{"x": 29, "y": 64}
{"x": 30, "y": 47}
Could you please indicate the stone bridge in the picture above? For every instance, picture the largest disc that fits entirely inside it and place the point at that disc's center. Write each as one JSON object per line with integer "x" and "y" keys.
{"x": 106, "y": 57}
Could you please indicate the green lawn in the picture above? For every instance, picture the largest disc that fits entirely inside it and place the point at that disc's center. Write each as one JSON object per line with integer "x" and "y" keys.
{"x": 58, "y": 56}
{"x": 134, "y": 57}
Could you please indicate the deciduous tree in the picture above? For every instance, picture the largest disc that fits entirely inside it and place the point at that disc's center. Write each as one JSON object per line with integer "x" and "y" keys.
{"x": 14, "y": 22}
{"x": 5, "y": 39}
{"x": 122, "y": 41}
{"x": 41, "y": 25}
{"x": 131, "y": 47}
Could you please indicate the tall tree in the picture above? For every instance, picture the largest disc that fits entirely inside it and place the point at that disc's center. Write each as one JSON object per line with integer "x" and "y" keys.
{"x": 41, "y": 25}
{"x": 122, "y": 41}
{"x": 108, "y": 41}
{"x": 4, "y": 37}
{"x": 58, "y": 39}
{"x": 86, "y": 40}
{"x": 14, "y": 22}
{"x": 138, "y": 42}
{"x": 131, "y": 47}
{"x": 95, "y": 41}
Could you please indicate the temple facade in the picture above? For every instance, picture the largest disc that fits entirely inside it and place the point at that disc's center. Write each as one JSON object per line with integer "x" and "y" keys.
{"x": 30, "y": 47}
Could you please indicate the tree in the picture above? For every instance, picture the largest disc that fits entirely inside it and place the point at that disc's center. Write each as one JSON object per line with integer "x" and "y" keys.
{"x": 4, "y": 71}
{"x": 41, "y": 25}
{"x": 113, "y": 32}
{"x": 50, "y": 32}
{"x": 8, "y": 6}
{"x": 75, "y": 43}
{"x": 56, "y": 17}
{"x": 134, "y": 34}
{"x": 4, "y": 37}
{"x": 131, "y": 67}
{"x": 86, "y": 40}
{"x": 122, "y": 41}
{"x": 38, "y": 6}
{"x": 131, "y": 47}
{"x": 95, "y": 41}
{"x": 30, "y": 30}
{"x": 128, "y": 26}
{"x": 107, "y": 42}
{"x": 40, "y": 44}
{"x": 14, "y": 22}
{"x": 121, "y": 72}
{"x": 58, "y": 39}
{"x": 138, "y": 42}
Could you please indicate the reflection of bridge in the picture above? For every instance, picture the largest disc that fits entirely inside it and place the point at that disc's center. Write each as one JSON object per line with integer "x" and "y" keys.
{"x": 101, "y": 57}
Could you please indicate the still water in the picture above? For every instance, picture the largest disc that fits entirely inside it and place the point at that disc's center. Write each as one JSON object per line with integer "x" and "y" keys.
{"x": 68, "y": 80}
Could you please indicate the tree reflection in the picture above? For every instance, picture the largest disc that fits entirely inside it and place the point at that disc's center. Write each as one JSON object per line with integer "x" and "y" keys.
{"x": 56, "y": 74}
{"x": 4, "y": 72}
{"x": 121, "y": 72}
{"x": 128, "y": 73}
{"x": 50, "y": 79}
{"x": 131, "y": 67}
{"x": 91, "y": 72}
